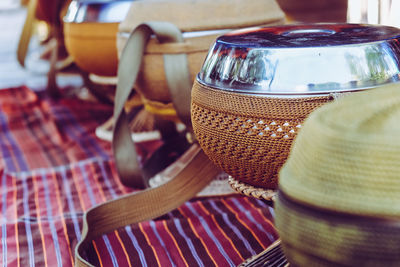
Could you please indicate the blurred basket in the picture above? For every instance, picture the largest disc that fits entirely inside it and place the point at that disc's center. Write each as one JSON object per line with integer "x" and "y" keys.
{"x": 90, "y": 33}
{"x": 200, "y": 22}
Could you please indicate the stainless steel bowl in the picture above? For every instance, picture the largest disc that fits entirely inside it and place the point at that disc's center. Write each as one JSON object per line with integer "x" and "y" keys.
{"x": 303, "y": 59}
{"x": 103, "y": 11}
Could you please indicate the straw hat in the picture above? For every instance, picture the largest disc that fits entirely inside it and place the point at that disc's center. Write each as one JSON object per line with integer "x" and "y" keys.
{"x": 346, "y": 157}
{"x": 312, "y": 237}
{"x": 339, "y": 203}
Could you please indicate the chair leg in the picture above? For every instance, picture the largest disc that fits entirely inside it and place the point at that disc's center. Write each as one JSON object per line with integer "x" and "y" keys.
{"x": 52, "y": 88}
{"x": 26, "y": 34}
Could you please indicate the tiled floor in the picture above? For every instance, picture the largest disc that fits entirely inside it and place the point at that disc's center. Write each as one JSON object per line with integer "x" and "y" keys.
{"x": 11, "y": 73}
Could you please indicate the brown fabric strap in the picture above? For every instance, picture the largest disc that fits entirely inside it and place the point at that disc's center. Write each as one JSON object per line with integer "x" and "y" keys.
{"x": 176, "y": 69}
{"x": 146, "y": 204}
{"x": 179, "y": 84}
{"x": 149, "y": 203}
{"x": 26, "y": 34}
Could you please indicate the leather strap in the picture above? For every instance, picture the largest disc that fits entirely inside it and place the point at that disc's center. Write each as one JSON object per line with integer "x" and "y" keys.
{"x": 146, "y": 204}
{"x": 177, "y": 73}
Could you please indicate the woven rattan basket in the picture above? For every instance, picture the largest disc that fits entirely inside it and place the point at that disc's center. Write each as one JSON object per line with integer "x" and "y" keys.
{"x": 257, "y": 86}
{"x": 200, "y": 22}
{"x": 339, "y": 199}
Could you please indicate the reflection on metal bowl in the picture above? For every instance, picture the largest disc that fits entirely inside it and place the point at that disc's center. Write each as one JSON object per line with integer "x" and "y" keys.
{"x": 304, "y": 59}
{"x": 90, "y": 30}
{"x": 257, "y": 86}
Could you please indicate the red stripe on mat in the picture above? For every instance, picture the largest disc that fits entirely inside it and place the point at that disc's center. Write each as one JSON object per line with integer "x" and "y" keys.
{"x": 67, "y": 169}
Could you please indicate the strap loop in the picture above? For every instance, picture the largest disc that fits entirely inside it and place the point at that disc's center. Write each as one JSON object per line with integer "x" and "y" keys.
{"x": 149, "y": 203}
{"x": 178, "y": 78}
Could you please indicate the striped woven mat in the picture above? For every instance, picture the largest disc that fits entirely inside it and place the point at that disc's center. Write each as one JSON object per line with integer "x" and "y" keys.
{"x": 53, "y": 168}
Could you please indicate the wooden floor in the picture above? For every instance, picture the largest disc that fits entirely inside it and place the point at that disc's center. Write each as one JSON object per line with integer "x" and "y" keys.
{"x": 11, "y": 73}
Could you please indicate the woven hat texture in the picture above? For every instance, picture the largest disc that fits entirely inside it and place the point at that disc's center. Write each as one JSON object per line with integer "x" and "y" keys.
{"x": 312, "y": 237}
{"x": 346, "y": 157}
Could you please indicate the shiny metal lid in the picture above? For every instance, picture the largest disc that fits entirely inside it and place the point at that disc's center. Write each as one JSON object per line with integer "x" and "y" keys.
{"x": 104, "y": 11}
{"x": 303, "y": 59}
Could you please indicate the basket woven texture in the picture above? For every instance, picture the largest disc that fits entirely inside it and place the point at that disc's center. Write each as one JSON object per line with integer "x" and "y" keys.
{"x": 339, "y": 199}
{"x": 248, "y": 136}
{"x": 252, "y": 191}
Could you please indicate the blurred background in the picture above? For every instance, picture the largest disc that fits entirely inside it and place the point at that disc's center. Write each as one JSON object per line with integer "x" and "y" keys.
{"x": 34, "y": 74}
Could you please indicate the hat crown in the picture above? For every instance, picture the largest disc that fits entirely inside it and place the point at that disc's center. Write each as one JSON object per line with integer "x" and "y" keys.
{"x": 346, "y": 156}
